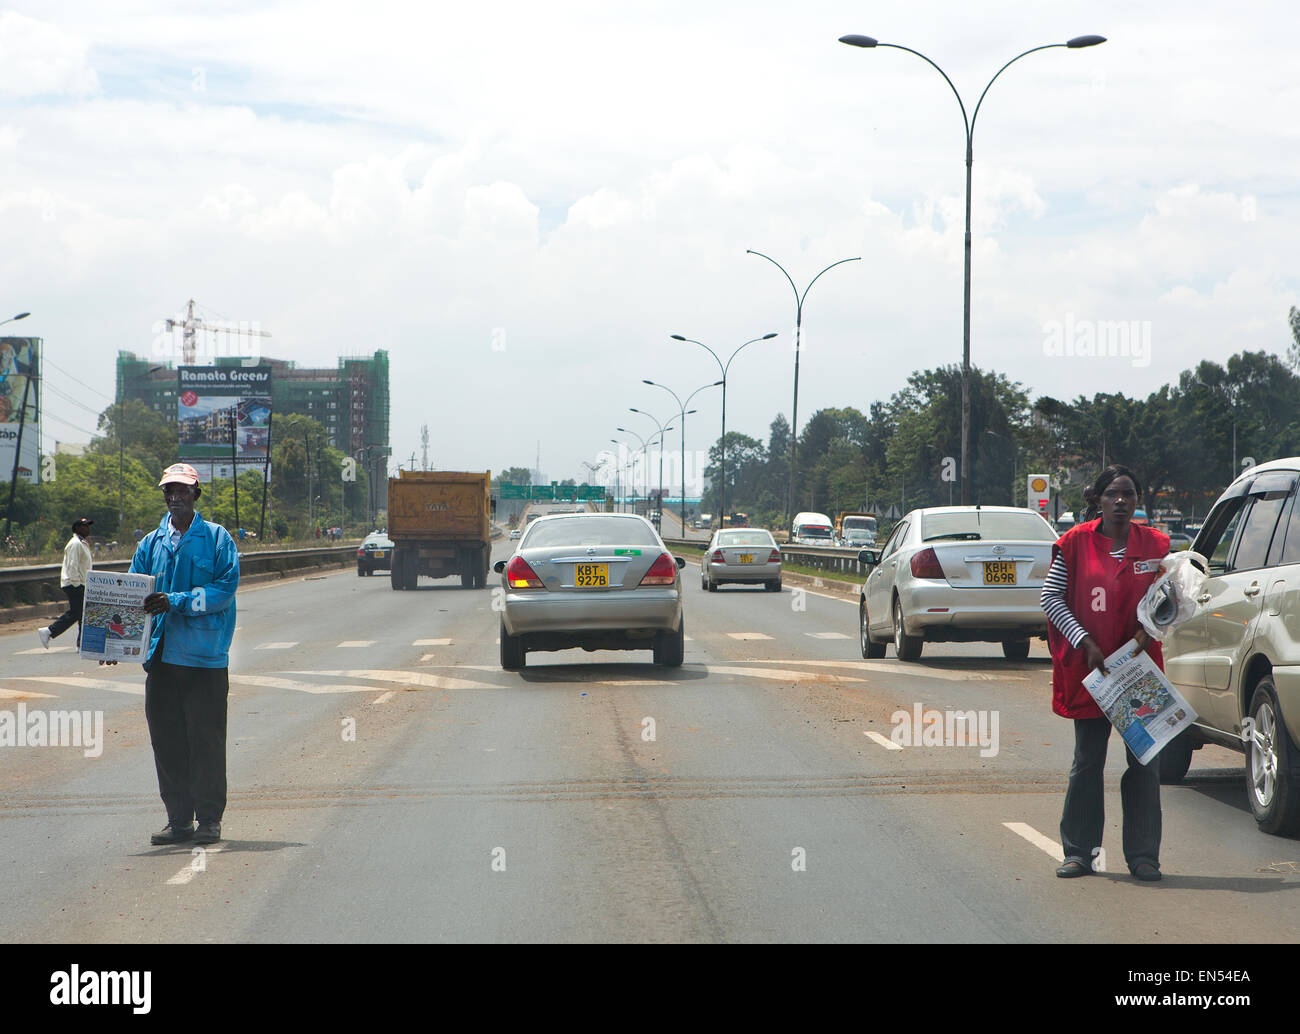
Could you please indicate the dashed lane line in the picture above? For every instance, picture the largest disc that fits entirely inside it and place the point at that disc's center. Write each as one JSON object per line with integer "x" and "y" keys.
{"x": 383, "y": 698}
{"x": 827, "y": 635}
{"x": 884, "y": 741}
{"x": 405, "y": 678}
{"x": 80, "y": 682}
{"x": 747, "y": 636}
{"x": 351, "y": 644}
{"x": 1043, "y": 843}
{"x": 432, "y": 642}
{"x": 17, "y": 694}
{"x": 275, "y": 646}
{"x": 42, "y": 649}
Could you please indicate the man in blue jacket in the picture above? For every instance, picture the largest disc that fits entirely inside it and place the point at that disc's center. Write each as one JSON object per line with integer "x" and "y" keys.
{"x": 196, "y": 572}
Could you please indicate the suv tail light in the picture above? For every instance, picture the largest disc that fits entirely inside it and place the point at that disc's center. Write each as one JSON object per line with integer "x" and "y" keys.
{"x": 925, "y": 564}
{"x": 662, "y": 572}
{"x": 717, "y": 557}
{"x": 361, "y": 552}
{"x": 520, "y": 576}
{"x": 774, "y": 557}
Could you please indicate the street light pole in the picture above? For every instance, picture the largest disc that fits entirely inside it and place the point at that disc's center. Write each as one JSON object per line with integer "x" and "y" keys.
{"x": 798, "y": 336}
{"x": 662, "y": 431}
{"x": 645, "y": 465}
{"x": 724, "y": 367}
{"x": 1075, "y": 44}
{"x": 682, "y": 407}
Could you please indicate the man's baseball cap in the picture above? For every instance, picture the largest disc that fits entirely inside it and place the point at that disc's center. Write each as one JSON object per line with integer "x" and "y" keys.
{"x": 80, "y": 522}
{"x": 179, "y": 474}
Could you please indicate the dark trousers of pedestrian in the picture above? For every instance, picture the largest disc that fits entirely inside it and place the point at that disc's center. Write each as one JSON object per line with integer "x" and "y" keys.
{"x": 1084, "y": 816}
{"x": 76, "y": 597}
{"x": 186, "y": 711}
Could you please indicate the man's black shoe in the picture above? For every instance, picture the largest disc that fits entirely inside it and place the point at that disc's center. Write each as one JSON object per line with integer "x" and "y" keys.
{"x": 173, "y": 833}
{"x": 209, "y": 833}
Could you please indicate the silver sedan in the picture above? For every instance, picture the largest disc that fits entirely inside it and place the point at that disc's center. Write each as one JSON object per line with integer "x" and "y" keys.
{"x": 598, "y": 581}
{"x": 741, "y": 555}
{"x": 957, "y": 574}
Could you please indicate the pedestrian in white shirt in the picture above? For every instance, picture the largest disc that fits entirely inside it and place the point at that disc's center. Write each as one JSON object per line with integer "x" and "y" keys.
{"x": 77, "y": 562}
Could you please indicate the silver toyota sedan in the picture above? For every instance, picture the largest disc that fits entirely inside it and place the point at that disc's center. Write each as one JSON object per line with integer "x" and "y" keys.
{"x": 957, "y": 574}
{"x": 598, "y": 581}
{"x": 741, "y": 555}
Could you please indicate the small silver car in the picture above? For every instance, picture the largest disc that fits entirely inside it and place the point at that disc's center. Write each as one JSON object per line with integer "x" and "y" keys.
{"x": 598, "y": 581}
{"x": 747, "y": 555}
{"x": 957, "y": 574}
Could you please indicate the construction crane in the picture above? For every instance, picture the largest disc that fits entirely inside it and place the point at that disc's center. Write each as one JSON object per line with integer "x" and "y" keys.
{"x": 192, "y": 323}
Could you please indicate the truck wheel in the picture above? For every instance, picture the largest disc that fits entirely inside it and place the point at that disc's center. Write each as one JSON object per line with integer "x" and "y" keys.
{"x": 395, "y": 572}
{"x": 1272, "y": 765}
{"x": 467, "y": 570}
{"x": 513, "y": 654}
{"x": 484, "y": 569}
{"x": 410, "y": 570}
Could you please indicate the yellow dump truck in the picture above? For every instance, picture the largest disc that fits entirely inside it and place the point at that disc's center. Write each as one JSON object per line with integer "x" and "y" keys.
{"x": 439, "y": 522}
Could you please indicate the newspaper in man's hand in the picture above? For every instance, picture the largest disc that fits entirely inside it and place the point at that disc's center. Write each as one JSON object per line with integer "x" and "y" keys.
{"x": 1139, "y": 701}
{"x": 114, "y": 626}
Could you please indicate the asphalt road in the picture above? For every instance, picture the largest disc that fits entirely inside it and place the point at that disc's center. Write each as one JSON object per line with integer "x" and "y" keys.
{"x": 474, "y": 804}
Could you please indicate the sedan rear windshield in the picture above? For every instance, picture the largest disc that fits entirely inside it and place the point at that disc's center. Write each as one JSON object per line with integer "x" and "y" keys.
{"x": 745, "y": 538}
{"x": 985, "y": 525}
{"x": 590, "y": 531}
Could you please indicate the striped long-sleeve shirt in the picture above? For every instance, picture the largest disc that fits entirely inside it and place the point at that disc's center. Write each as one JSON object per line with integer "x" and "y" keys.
{"x": 1054, "y": 595}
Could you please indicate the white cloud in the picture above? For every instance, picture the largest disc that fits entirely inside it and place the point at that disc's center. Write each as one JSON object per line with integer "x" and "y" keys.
{"x": 39, "y": 59}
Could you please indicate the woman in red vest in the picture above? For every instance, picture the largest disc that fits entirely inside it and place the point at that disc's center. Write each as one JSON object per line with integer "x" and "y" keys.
{"x": 1100, "y": 570}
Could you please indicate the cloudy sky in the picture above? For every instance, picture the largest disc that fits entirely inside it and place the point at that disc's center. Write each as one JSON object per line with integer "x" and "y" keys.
{"x": 521, "y": 202}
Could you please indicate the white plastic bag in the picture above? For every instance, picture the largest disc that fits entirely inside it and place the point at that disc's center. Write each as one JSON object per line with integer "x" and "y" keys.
{"x": 1171, "y": 600}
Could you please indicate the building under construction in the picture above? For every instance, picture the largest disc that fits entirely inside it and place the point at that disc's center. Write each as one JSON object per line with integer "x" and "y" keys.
{"x": 351, "y": 402}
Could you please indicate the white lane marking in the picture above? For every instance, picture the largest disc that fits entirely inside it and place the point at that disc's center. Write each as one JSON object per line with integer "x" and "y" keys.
{"x": 428, "y": 657}
{"x": 432, "y": 642}
{"x": 189, "y": 872}
{"x": 826, "y": 635}
{"x": 275, "y": 646}
{"x": 748, "y": 635}
{"x": 79, "y": 682}
{"x": 685, "y": 639}
{"x": 778, "y": 674}
{"x": 1043, "y": 843}
{"x": 41, "y": 649}
{"x": 7, "y": 694}
{"x": 354, "y": 643}
{"x": 898, "y": 668}
{"x": 270, "y": 682}
{"x": 383, "y": 698}
{"x": 884, "y": 741}
{"x": 405, "y": 678}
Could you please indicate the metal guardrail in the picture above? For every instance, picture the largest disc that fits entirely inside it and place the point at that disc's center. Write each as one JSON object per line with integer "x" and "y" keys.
{"x": 824, "y": 558}
{"x": 42, "y": 580}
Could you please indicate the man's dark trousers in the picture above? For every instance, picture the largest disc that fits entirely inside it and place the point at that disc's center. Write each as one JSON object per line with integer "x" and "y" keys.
{"x": 186, "y": 711}
{"x": 1083, "y": 817}
{"x": 76, "y": 597}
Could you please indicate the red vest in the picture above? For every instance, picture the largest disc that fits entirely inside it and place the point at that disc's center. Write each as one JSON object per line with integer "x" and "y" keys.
{"x": 1103, "y": 595}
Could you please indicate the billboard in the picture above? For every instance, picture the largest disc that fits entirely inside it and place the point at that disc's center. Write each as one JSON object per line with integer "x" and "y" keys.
{"x": 223, "y": 417}
{"x": 19, "y": 380}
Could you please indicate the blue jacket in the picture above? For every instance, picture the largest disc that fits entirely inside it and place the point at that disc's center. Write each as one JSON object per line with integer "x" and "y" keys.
{"x": 200, "y": 579}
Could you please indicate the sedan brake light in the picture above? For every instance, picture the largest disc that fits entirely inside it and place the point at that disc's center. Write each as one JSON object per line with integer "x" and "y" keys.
{"x": 925, "y": 564}
{"x": 774, "y": 557}
{"x": 662, "y": 572}
{"x": 717, "y": 557}
{"x": 520, "y": 576}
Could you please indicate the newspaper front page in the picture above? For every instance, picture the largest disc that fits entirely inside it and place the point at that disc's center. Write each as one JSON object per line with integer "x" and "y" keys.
{"x": 1139, "y": 701}
{"x": 114, "y": 626}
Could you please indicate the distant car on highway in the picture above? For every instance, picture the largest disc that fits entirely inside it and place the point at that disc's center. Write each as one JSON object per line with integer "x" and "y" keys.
{"x": 1177, "y": 541}
{"x": 599, "y": 581}
{"x": 741, "y": 555}
{"x": 956, "y": 574}
{"x": 812, "y": 529}
{"x": 374, "y": 554}
{"x": 516, "y": 534}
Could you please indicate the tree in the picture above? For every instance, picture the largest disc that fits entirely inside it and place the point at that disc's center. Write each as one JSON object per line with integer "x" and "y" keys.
{"x": 142, "y": 434}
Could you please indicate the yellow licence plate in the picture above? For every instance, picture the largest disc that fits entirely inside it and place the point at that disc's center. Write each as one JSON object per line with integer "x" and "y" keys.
{"x": 746, "y": 558}
{"x": 591, "y": 576}
{"x": 999, "y": 572}
{"x": 380, "y": 554}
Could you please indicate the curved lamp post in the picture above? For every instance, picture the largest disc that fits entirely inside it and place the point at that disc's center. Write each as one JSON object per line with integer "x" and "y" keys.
{"x": 724, "y": 367}
{"x": 1077, "y": 43}
{"x": 20, "y": 316}
{"x": 682, "y": 407}
{"x": 798, "y": 326}
{"x": 662, "y": 431}
{"x": 645, "y": 464}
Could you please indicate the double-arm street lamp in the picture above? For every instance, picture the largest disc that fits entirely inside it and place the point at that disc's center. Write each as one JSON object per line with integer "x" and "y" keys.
{"x": 620, "y": 466}
{"x": 724, "y": 367}
{"x": 798, "y": 327}
{"x": 20, "y": 316}
{"x": 645, "y": 464}
{"x": 684, "y": 411}
{"x": 1077, "y": 43}
{"x": 662, "y": 431}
